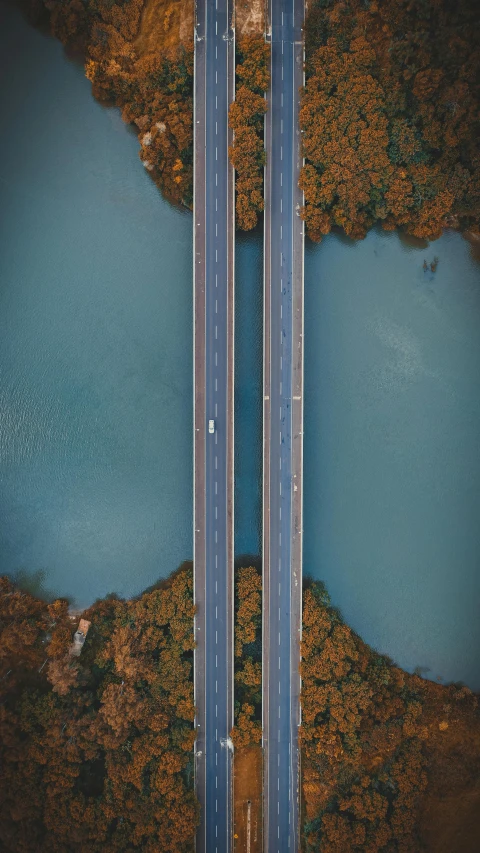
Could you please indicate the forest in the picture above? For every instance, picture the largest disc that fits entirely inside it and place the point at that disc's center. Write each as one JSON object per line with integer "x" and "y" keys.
{"x": 246, "y": 118}
{"x": 248, "y": 658}
{"x": 139, "y": 57}
{"x": 390, "y": 116}
{"x": 97, "y": 751}
{"x": 390, "y": 761}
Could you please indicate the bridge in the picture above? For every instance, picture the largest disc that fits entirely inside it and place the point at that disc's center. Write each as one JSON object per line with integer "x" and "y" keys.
{"x": 282, "y": 425}
{"x": 282, "y": 432}
{"x": 213, "y": 281}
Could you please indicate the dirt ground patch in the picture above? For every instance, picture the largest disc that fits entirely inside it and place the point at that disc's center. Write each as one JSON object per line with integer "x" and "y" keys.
{"x": 249, "y": 18}
{"x": 247, "y": 788}
{"x": 450, "y": 814}
{"x": 165, "y": 24}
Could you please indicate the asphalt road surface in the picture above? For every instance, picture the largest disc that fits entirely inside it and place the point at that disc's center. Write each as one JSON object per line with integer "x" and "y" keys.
{"x": 213, "y": 381}
{"x": 283, "y": 433}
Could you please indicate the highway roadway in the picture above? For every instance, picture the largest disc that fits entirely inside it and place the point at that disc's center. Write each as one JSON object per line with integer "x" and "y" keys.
{"x": 213, "y": 399}
{"x": 283, "y": 432}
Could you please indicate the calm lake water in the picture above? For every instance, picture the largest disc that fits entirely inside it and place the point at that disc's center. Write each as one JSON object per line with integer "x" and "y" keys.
{"x": 392, "y": 445}
{"x": 96, "y": 385}
{"x": 95, "y": 338}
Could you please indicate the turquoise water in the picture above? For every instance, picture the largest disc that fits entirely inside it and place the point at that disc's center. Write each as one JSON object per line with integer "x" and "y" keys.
{"x": 95, "y": 339}
{"x": 248, "y": 394}
{"x": 392, "y": 445}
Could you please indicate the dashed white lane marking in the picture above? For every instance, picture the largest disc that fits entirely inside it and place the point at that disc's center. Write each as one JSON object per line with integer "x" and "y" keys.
{"x": 281, "y": 232}
{"x": 216, "y": 539}
{"x": 281, "y": 179}
{"x": 216, "y": 332}
{"x": 216, "y": 686}
{"x": 281, "y": 206}
{"x": 216, "y": 204}
{"x": 216, "y": 153}
{"x": 281, "y": 152}
{"x": 216, "y": 384}
{"x": 281, "y": 312}
{"x": 216, "y": 123}
{"x": 280, "y": 391}
{"x": 216, "y": 660}
{"x": 216, "y": 27}
{"x": 216, "y": 487}
{"x": 216, "y": 591}
{"x": 281, "y": 100}
{"x": 216, "y": 637}
{"x": 280, "y": 436}
{"x": 216, "y": 307}
{"x": 279, "y": 644}
{"x": 280, "y": 539}
{"x": 216, "y": 562}
{"x": 216, "y": 76}
{"x": 216, "y": 710}
{"x": 216, "y": 101}
{"x": 216, "y": 255}
{"x": 216, "y": 461}
{"x": 280, "y": 507}
{"x": 216, "y": 406}
{"x": 280, "y": 488}
{"x": 216, "y": 230}
{"x": 216, "y": 359}
{"x": 281, "y": 122}
{"x": 216, "y": 180}
{"x": 279, "y": 668}
{"x": 216, "y": 512}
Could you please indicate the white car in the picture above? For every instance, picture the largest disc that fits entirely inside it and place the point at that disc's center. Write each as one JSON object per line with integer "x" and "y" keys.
{"x": 211, "y": 425}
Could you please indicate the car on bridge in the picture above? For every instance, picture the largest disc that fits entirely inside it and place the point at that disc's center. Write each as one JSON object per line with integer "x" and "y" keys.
{"x": 211, "y": 425}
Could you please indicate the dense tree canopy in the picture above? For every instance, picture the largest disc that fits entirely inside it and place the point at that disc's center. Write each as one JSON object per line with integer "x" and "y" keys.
{"x": 97, "y": 751}
{"x": 149, "y": 78}
{"x": 390, "y": 116}
{"x": 248, "y": 657}
{"x": 247, "y": 153}
{"x": 374, "y": 740}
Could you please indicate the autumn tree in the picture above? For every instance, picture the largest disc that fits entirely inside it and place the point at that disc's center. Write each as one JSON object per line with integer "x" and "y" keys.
{"x": 97, "y": 751}
{"x": 246, "y": 113}
{"x": 248, "y": 656}
{"x": 369, "y": 735}
{"x": 390, "y": 116}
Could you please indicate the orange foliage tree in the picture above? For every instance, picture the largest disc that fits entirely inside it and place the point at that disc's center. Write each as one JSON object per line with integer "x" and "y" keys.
{"x": 369, "y": 735}
{"x": 247, "y": 154}
{"x": 153, "y": 88}
{"x": 390, "y": 116}
{"x": 248, "y": 657}
{"x": 104, "y": 760}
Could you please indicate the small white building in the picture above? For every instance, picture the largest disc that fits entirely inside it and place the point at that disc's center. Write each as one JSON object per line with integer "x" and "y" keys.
{"x": 79, "y": 637}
